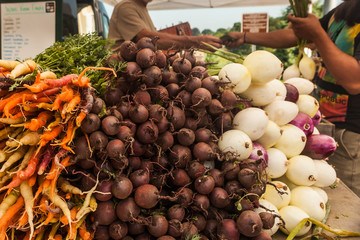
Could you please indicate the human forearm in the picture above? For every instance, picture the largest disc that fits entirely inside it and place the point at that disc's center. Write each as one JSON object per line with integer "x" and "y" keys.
{"x": 276, "y": 39}
{"x": 343, "y": 67}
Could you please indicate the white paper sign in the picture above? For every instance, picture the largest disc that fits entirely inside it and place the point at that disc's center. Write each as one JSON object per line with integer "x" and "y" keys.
{"x": 27, "y": 28}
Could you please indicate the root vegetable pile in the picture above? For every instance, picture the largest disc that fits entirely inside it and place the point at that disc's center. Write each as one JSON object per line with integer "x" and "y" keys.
{"x": 166, "y": 152}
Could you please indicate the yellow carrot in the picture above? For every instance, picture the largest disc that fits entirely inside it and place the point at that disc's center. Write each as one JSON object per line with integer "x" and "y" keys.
{"x": 27, "y": 194}
{"x": 8, "y": 64}
{"x": 23, "y": 68}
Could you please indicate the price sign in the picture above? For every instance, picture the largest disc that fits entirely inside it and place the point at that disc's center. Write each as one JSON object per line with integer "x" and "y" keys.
{"x": 255, "y": 22}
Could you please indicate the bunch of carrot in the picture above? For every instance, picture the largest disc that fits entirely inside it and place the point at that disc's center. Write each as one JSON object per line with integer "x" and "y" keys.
{"x": 37, "y": 126}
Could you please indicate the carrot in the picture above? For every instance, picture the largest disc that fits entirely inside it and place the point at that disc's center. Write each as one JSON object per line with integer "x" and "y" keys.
{"x": 46, "y": 159}
{"x": 8, "y": 64}
{"x": 73, "y": 103}
{"x": 16, "y": 156}
{"x": 65, "y": 80}
{"x": 65, "y": 186}
{"x": 47, "y": 75}
{"x": 85, "y": 207}
{"x": 46, "y": 106}
{"x": 70, "y": 131}
{"x": 27, "y": 194}
{"x": 22, "y": 114}
{"x": 58, "y": 237}
{"x": 23, "y": 220}
{"x": 81, "y": 83}
{"x": 65, "y": 96}
{"x": 37, "y": 87}
{"x": 8, "y": 201}
{"x": 59, "y": 202}
{"x": 10, "y": 213}
{"x": 27, "y": 157}
{"x": 49, "y": 135}
{"x": 31, "y": 167}
{"x": 4, "y": 133}
{"x": 32, "y": 180}
{"x": 23, "y": 68}
{"x": 53, "y": 231}
{"x": 10, "y": 105}
{"x": 15, "y": 182}
{"x": 40, "y": 121}
{"x": 28, "y": 138}
{"x": 10, "y": 121}
{"x": 84, "y": 234}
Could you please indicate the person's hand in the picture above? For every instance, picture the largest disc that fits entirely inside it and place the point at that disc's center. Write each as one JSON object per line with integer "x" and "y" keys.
{"x": 307, "y": 28}
{"x": 212, "y": 40}
{"x": 233, "y": 39}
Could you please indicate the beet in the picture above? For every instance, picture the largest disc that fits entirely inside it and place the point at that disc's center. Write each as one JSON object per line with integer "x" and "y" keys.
{"x": 180, "y": 155}
{"x": 115, "y": 149}
{"x": 138, "y": 113}
{"x": 176, "y": 211}
{"x": 146, "y": 42}
{"x": 182, "y": 65}
{"x": 110, "y": 125}
{"x": 161, "y": 60}
{"x": 159, "y": 93}
{"x": 140, "y": 177}
{"x": 103, "y": 190}
{"x": 227, "y": 230}
{"x": 112, "y": 96}
{"x": 166, "y": 237}
{"x": 98, "y": 105}
{"x": 105, "y": 214}
{"x": 102, "y": 232}
{"x": 146, "y": 196}
{"x": 145, "y": 58}
{"x": 174, "y": 228}
{"x": 142, "y": 97}
{"x": 132, "y": 72}
{"x": 152, "y": 76}
{"x": 199, "y": 221}
{"x": 180, "y": 177}
{"x": 91, "y": 123}
{"x": 185, "y": 136}
{"x": 247, "y": 177}
{"x": 82, "y": 150}
{"x": 218, "y": 177}
{"x": 196, "y": 169}
{"x": 128, "y": 50}
{"x": 127, "y": 210}
{"x": 203, "y": 152}
{"x": 211, "y": 84}
{"x": 176, "y": 116}
{"x": 219, "y": 198}
{"x": 165, "y": 140}
{"x": 169, "y": 76}
{"x": 136, "y": 228}
{"x": 201, "y": 97}
{"x": 204, "y": 184}
{"x": 122, "y": 187}
{"x": 173, "y": 89}
{"x": 249, "y": 223}
{"x": 158, "y": 226}
{"x": 118, "y": 230}
{"x": 147, "y": 132}
{"x": 98, "y": 140}
{"x": 268, "y": 219}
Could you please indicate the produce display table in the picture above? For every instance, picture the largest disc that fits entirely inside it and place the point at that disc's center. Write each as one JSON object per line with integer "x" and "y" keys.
{"x": 344, "y": 211}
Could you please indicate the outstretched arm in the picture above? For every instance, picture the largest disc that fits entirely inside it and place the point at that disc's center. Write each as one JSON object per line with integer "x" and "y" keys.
{"x": 172, "y": 41}
{"x": 283, "y": 38}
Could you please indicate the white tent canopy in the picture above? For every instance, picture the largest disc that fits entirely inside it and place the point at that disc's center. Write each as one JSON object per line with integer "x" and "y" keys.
{"x": 189, "y": 4}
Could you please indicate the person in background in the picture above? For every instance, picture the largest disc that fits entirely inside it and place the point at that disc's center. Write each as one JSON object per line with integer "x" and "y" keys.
{"x": 336, "y": 37}
{"x": 131, "y": 21}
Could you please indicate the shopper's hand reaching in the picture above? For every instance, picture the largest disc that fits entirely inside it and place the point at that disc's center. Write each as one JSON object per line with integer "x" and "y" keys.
{"x": 307, "y": 28}
{"x": 209, "y": 39}
{"x": 233, "y": 39}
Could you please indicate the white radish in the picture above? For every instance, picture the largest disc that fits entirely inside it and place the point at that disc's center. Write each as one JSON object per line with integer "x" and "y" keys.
{"x": 321, "y": 192}
{"x": 266, "y": 206}
{"x": 281, "y": 112}
{"x": 301, "y": 170}
{"x": 308, "y": 104}
{"x": 271, "y": 135}
{"x": 280, "y": 89}
{"x": 291, "y": 72}
{"x": 252, "y": 121}
{"x": 236, "y": 76}
{"x": 277, "y": 163}
{"x": 278, "y": 193}
{"x": 308, "y": 200}
{"x": 260, "y": 95}
{"x": 326, "y": 174}
{"x": 292, "y": 141}
{"x": 235, "y": 144}
{"x": 307, "y": 67}
{"x": 287, "y": 181}
{"x": 304, "y": 86}
{"x": 263, "y": 66}
{"x": 292, "y": 216}
{"x": 316, "y": 131}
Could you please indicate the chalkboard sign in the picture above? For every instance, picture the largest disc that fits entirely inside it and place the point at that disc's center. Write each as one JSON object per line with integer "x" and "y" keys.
{"x": 28, "y": 27}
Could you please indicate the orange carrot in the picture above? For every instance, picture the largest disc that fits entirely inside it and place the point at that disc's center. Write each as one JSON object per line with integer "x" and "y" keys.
{"x": 22, "y": 114}
{"x": 49, "y": 217}
{"x": 86, "y": 82}
{"x": 69, "y": 133}
{"x": 32, "y": 180}
{"x": 49, "y": 135}
{"x": 57, "y": 237}
{"x": 84, "y": 234}
{"x": 11, "y": 104}
{"x": 40, "y": 121}
{"x": 23, "y": 220}
{"x": 37, "y": 87}
{"x": 10, "y": 213}
{"x": 15, "y": 182}
{"x": 73, "y": 103}
{"x": 80, "y": 118}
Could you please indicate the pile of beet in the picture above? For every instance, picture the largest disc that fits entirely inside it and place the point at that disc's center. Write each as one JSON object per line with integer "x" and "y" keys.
{"x": 154, "y": 154}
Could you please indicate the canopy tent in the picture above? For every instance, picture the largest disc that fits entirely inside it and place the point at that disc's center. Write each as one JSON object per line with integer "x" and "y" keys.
{"x": 189, "y": 4}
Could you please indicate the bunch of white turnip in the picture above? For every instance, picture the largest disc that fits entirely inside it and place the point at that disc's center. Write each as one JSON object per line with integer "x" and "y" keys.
{"x": 280, "y": 128}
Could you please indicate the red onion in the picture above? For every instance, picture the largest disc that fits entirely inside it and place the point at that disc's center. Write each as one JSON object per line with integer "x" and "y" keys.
{"x": 304, "y": 122}
{"x": 259, "y": 153}
{"x": 319, "y": 146}
{"x": 317, "y": 118}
